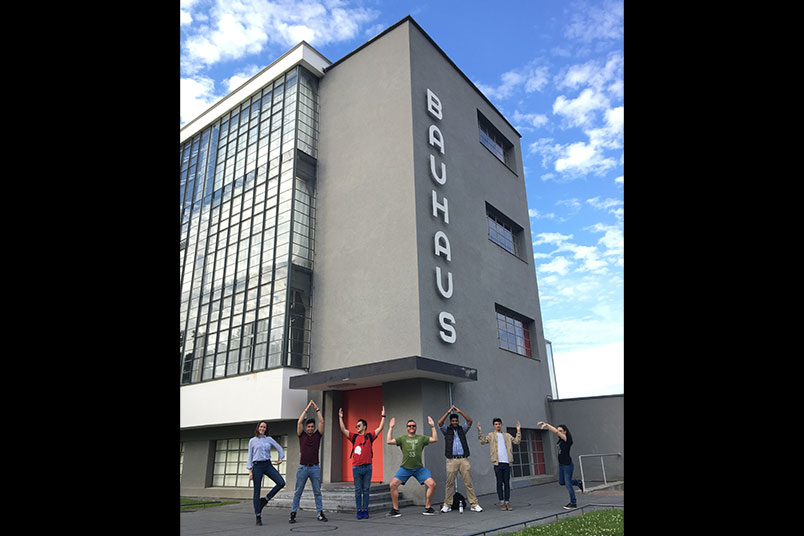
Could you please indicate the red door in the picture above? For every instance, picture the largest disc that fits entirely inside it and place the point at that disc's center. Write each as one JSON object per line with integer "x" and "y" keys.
{"x": 363, "y": 404}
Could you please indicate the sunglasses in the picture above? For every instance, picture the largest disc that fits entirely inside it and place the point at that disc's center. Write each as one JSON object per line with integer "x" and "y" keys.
{"x": 411, "y": 426}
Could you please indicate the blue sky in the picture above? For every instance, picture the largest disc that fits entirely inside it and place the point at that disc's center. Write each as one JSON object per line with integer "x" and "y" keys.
{"x": 554, "y": 68}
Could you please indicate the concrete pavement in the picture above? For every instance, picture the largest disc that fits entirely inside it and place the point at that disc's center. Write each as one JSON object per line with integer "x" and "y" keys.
{"x": 528, "y": 503}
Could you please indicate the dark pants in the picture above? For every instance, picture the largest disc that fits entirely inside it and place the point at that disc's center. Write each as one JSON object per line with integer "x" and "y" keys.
{"x": 362, "y": 476}
{"x": 265, "y": 468}
{"x": 503, "y": 473}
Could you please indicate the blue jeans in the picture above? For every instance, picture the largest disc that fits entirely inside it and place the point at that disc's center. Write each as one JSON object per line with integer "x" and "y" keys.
{"x": 565, "y": 478}
{"x": 302, "y": 474}
{"x": 268, "y": 469}
{"x": 362, "y": 476}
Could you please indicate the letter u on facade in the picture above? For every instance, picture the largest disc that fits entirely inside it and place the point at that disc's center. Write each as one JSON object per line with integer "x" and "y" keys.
{"x": 445, "y": 293}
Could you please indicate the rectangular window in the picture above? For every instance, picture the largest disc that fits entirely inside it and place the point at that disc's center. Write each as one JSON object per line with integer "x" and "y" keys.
{"x": 231, "y": 459}
{"x": 513, "y": 331}
{"x": 529, "y": 454}
{"x": 493, "y": 140}
{"x": 503, "y": 231}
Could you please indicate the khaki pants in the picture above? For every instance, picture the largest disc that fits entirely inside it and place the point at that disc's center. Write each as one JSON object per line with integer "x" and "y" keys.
{"x": 455, "y": 466}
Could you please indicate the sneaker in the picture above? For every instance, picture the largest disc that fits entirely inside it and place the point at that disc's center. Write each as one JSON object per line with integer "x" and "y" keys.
{"x": 322, "y": 517}
{"x": 263, "y": 502}
{"x": 570, "y": 506}
{"x": 359, "y": 514}
{"x": 476, "y": 508}
{"x": 292, "y": 517}
{"x": 259, "y": 520}
{"x": 503, "y": 506}
{"x": 580, "y": 485}
{"x": 365, "y": 514}
{"x": 429, "y": 512}
{"x": 394, "y": 513}
{"x": 446, "y": 508}
{"x": 508, "y": 506}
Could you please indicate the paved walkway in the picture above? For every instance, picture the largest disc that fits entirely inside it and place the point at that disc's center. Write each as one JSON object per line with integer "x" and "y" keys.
{"x": 528, "y": 503}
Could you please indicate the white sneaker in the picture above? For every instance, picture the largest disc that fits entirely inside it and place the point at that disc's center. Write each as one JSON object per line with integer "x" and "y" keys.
{"x": 445, "y": 509}
{"x": 476, "y": 508}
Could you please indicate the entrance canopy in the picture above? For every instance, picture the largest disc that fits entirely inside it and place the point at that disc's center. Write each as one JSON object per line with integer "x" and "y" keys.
{"x": 376, "y": 374}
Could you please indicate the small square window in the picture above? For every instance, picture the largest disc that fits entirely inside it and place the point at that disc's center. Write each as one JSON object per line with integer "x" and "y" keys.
{"x": 494, "y": 141}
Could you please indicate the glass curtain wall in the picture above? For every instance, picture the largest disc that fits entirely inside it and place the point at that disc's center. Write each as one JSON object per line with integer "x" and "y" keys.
{"x": 245, "y": 210}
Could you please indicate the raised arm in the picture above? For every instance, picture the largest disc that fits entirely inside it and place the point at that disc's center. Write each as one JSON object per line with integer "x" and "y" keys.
{"x": 518, "y": 437}
{"x": 320, "y": 418}
{"x": 344, "y": 431}
{"x": 553, "y": 429}
{"x": 382, "y": 423}
{"x": 444, "y": 416}
{"x": 465, "y": 416}
{"x": 434, "y": 434}
{"x": 300, "y": 423}
{"x": 480, "y": 437}
{"x": 389, "y": 440}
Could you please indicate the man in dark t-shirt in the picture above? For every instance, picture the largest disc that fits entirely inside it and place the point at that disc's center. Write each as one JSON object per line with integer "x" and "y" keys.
{"x": 309, "y": 443}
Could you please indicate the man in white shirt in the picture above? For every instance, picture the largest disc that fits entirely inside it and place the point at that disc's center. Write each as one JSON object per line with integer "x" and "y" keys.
{"x": 501, "y": 454}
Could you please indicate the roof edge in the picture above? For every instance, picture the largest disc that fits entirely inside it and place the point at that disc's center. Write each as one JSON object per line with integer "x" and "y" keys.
{"x": 410, "y": 19}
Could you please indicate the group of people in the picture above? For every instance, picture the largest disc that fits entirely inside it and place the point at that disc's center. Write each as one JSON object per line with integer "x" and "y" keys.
{"x": 456, "y": 451}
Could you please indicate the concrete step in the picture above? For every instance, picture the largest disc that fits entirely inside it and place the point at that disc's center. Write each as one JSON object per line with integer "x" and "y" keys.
{"x": 339, "y": 497}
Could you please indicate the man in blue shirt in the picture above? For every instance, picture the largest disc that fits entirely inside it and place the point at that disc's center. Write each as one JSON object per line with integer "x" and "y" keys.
{"x": 456, "y": 450}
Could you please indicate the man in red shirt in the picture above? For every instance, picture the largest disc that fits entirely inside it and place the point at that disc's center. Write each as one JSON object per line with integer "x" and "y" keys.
{"x": 362, "y": 455}
{"x": 309, "y": 443}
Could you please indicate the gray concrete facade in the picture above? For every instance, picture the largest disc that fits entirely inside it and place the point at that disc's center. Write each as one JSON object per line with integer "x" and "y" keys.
{"x": 404, "y": 267}
{"x": 597, "y": 425}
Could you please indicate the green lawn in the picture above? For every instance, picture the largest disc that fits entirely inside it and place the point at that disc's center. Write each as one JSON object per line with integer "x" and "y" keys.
{"x": 597, "y": 523}
{"x": 187, "y": 504}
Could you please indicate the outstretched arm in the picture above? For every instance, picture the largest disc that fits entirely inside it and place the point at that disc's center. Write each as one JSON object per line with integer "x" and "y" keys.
{"x": 553, "y": 429}
{"x": 382, "y": 423}
{"x": 389, "y": 440}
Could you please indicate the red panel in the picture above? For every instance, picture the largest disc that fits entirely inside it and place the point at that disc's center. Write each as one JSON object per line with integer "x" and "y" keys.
{"x": 362, "y": 404}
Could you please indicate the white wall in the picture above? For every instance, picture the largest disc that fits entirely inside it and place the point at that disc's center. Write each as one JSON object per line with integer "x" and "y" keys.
{"x": 247, "y": 398}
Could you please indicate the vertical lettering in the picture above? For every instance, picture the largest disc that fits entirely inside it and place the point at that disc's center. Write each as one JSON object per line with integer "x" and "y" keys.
{"x": 442, "y": 245}
{"x": 433, "y": 104}
{"x": 436, "y": 141}
{"x": 443, "y": 208}
{"x": 448, "y": 337}
{"x": 443, "y": 178}
{"x": 445, "y": 293}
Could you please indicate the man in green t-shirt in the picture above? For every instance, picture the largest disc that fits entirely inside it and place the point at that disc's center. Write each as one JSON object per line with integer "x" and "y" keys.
{"x": 412, "y": 446}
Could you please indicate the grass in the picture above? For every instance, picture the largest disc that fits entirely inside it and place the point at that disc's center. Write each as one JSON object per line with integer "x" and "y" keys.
{"x": 191, "y": 504}
{"x": 597, "y": 523}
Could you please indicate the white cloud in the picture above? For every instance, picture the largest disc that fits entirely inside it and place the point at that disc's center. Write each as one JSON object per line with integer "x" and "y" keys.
{"x": 529, "y": 78}
{"x": 593, "y": 370}
{"x": 196, "y": 95}
{"x": 581, "y": 158}
{"x": 236, "y": 29}
{"x": 559, "y": 265}
{"x": 590, "y": 23}
{"x": 581, "y": 110}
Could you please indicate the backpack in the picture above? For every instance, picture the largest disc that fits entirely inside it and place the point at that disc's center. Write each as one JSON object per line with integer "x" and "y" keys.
{"x": 457, "y": 499}
{"x": 369, "y": 438}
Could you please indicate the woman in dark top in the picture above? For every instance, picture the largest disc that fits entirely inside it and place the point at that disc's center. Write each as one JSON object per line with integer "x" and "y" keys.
{"x": 565, "y": 465}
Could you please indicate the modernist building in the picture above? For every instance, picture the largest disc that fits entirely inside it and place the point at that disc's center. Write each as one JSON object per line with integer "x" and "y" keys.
{"x": 357, "y": 233}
